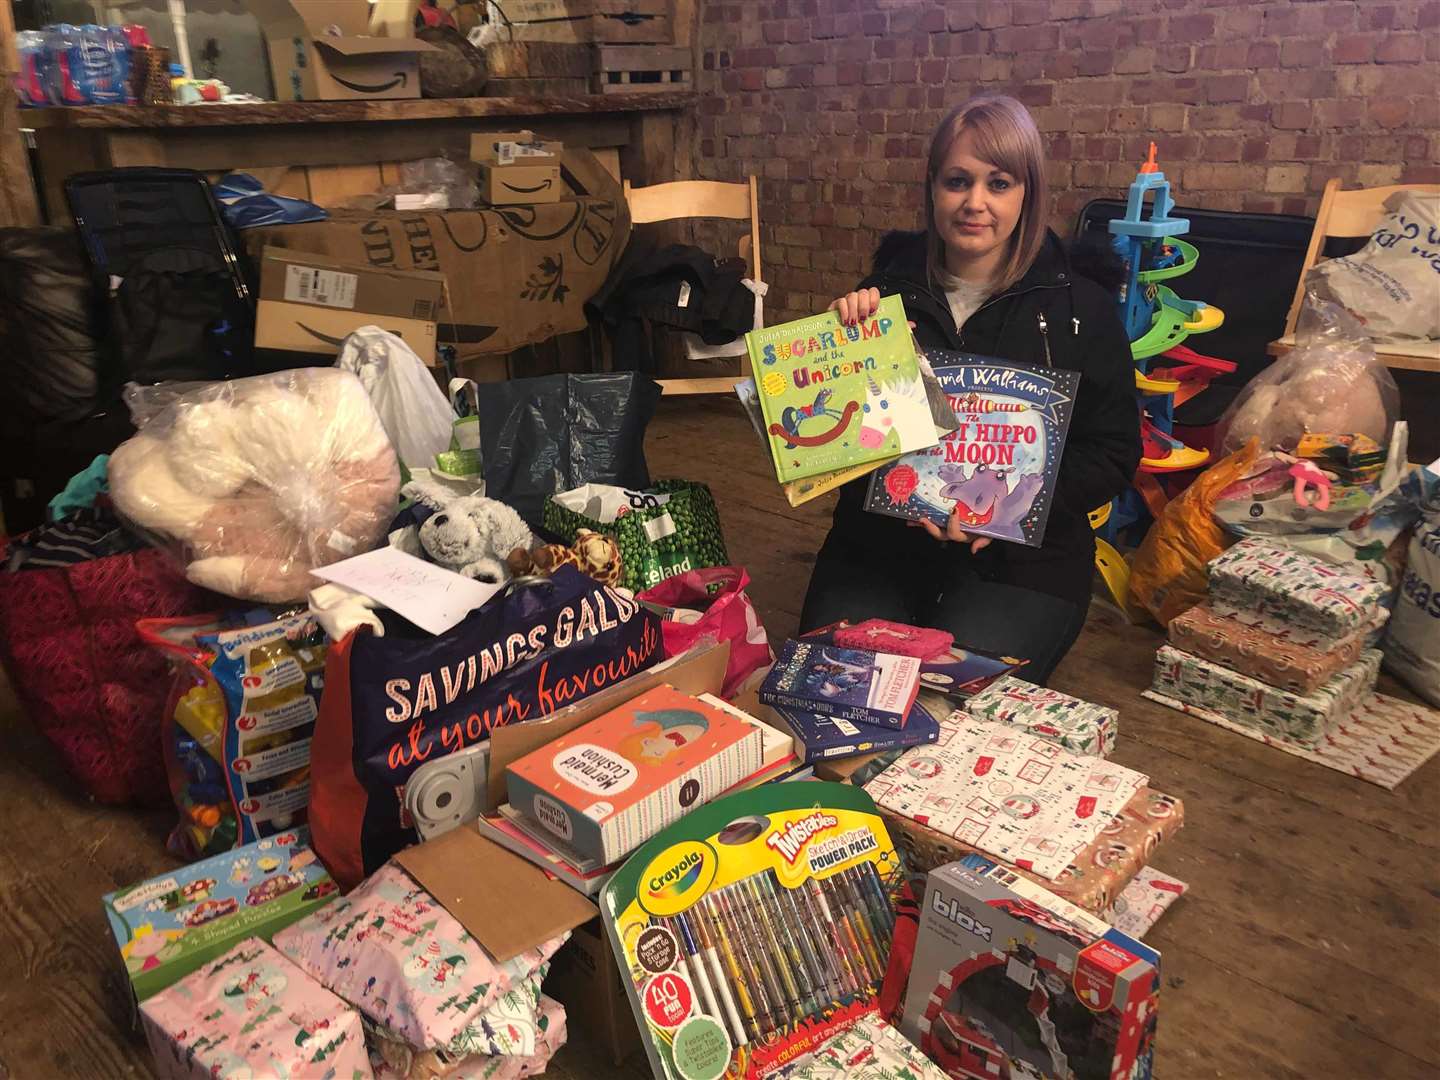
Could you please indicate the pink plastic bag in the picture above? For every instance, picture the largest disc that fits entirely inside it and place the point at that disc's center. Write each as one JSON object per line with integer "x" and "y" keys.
{"x": 717, "y": 596}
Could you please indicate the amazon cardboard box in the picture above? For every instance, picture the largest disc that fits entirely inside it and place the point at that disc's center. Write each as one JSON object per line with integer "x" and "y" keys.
{"x": 516, "y": 167}
{"x": 321, "y": 50}
{"x": 309, "y": 303}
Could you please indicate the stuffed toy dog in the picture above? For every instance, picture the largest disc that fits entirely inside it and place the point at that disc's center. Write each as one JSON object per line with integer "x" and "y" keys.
{"x": 469, "y": 534}
{"x": 593, "y": 554}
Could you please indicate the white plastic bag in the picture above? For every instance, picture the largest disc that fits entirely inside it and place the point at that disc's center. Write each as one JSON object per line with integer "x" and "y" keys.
{"x": 411, "y": 406}
{"x": 256, "y": 481}
{"x": 1412, "y": 649}
{"x": 1329, "y": 383}
{"x": 1392, "y": 284}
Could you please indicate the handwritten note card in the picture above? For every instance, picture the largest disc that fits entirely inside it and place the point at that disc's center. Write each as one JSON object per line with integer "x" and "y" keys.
{"x": 431, "y": 597}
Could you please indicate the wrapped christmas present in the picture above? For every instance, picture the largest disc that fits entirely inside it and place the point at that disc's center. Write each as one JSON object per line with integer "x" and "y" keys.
{"x": 1304, "y": 719}
{"x": 1006, "y": 792}
{"x": 391, "y": 950}
{"x": 392, "y": 1059}
{"x": 1266, "y": 648}
{"x": 869, "y": 1050}
{"x": 1141, "y": 903}
{"x": 1081, "y": 727}
{"x": 252, "y": 1013}
{"x": 1259, "y": 575}
{"x": 1092, "y": 880}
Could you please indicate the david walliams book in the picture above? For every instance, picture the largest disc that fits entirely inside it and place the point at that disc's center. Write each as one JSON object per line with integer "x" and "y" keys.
{"x": 998, "y": 468}
{"x": 835, "y": 396}
{"x": 853, "y": 684}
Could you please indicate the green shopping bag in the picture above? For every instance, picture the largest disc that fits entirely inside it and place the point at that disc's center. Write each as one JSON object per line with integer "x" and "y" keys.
{"x": 669, "y": 528}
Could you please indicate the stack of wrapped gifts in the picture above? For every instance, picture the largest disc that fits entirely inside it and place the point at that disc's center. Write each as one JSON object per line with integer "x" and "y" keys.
{"x": 1280, "y": 646}
{"x": 1018, "y": 786}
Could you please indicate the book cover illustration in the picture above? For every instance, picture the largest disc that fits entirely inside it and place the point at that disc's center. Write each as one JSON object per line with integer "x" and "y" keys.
{"x": 855, "y": 684}
{"x": 998, "y": 468}
{"x": 835, "y": 396}
{"x": 611, "y": 784}
{"x": 818, "y": 737}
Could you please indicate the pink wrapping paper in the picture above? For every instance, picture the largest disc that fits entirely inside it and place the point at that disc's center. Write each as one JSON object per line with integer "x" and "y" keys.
{"x": 252, "y": 1013}
{"x": 404, "y": 961}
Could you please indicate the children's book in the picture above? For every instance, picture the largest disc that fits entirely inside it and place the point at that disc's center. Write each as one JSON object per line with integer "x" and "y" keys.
{"x": 998, "y": 468}
{"x": 799, "y": 492}
{"x": 611, "y": 784}
{"x": 818, "y": 736}
{"x": 833, "y": 396}
{"x": 852, "y": 684}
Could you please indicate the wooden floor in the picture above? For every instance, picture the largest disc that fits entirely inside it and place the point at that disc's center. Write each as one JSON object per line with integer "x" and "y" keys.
{"x": 1309, "y": 946}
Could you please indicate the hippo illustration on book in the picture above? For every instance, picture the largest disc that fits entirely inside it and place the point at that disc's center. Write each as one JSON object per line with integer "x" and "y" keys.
{"x": 986, "y": 501}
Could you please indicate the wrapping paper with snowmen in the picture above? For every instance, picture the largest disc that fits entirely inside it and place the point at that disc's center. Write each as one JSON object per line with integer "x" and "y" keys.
{"x": 1007, "y": 792}
{"x": 394, "y": 953}
{"x": 997, "y": 469}
{"x": 252, "y": 1013}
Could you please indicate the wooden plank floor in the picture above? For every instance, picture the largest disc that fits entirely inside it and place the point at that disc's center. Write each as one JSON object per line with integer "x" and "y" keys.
{"x": 1309, "y": 946}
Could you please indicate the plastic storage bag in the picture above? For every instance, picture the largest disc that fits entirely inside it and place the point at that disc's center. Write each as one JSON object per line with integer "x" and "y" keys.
{"x": 1330, "y": 382}
{"x": 1391, "y": 283}
{"x": 257, "y": 481}
{"x": 557, "y": 432}
{"x": 712, "y": 603}
{"x": 237, "y": 726}
{"x": 409, "y": 402}
{"x": 1412, "y": 650}
{"x": 1169, "y": 572}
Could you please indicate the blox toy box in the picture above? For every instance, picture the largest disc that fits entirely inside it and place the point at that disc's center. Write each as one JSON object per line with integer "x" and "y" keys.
{"x": 173, "y": 924}
{"x": 1002, "y": 987}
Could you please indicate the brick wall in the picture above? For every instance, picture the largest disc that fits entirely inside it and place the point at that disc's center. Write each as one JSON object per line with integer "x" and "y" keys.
{"x": 1253, "y": 105}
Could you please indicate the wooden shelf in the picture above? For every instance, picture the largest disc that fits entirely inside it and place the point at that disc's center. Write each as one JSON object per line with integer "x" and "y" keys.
{"x": 345, "y": 112}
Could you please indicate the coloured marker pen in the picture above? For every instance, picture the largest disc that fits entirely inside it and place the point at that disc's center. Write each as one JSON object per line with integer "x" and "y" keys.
{"x": 836, "y": 913}
{"x": 745, "y": 970}
{"x": 864, "y": 920}
{"x": 793, "y": 926}
{"x": 710, "y": 956}
{"x": 759, "y": 958}
{"x": 823, "y": 937}
{"x": 847, "y": 951}
{"x": 842, "y": 906}
{"x": 696, "y": 964}
{"x": 785, "y": 947}
{"x": 871, "y": 877}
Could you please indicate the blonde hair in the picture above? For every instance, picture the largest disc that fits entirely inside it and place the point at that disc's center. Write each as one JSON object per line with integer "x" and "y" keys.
{"x": 1005, "y": 135}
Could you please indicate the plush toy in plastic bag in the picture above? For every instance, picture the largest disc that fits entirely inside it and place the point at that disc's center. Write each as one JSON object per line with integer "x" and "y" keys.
{"x": 237, "y": 726}
{"x": 1168, "y": 575}
{"x": 1330, "y": 382}
{"x": 258, "y": 481}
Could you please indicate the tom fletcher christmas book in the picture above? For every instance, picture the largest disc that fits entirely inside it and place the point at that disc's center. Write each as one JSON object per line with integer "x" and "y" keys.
{"x": 835, "y": 396}
{"x": 852, "y": 684}
{"x": 998, "y": 468}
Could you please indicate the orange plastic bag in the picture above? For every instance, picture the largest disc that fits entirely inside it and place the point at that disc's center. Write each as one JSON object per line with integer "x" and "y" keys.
{"x": 1168, "y": 575}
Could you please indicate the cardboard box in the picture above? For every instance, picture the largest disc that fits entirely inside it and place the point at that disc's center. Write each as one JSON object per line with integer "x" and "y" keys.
{"x": 310, "y": 302}
{"x": 509, "y": 148}
{"x": 586, "y": 978}
{"x": 609, "y": 786}
{"x": 517, "y": 168}
{"x": 173, "y": 924}
{"x": 504, "y": 275}
{"x": 1001, "y": 986}
{"x": 310, "y": 62}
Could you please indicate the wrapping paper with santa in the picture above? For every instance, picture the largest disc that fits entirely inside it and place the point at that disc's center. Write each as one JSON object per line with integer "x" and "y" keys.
{"x": 252, "y": 1013}
{"x": 257, "y": 481}
{"x": 1259, "y": 575}
{"x": 1266, "y": 648}
{"x": 1081, "y": 727}
{"x": 1007, "y": 792}
{"x": 405, "y": 962}
{"x": 1303, "y": 719}
{"x": 1096, "y": 877}
{"x": 396, "y": 1061}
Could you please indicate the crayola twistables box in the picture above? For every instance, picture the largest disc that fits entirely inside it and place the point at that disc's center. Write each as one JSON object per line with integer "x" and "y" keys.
{"x": 173, "y": 924}
{"x": 754, "y": 929}
{"x": 613, "y": 783}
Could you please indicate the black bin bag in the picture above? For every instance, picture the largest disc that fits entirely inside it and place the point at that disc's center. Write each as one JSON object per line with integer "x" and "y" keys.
{"x": 556, "y": 432}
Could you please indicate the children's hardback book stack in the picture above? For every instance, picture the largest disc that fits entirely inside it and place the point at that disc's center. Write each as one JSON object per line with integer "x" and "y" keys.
{"x": 833, "y": 402}
{"x": 1278, "y": 651}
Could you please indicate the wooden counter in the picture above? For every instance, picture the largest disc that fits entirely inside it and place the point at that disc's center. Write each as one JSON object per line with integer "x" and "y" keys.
{"x": 328, "y": 151}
